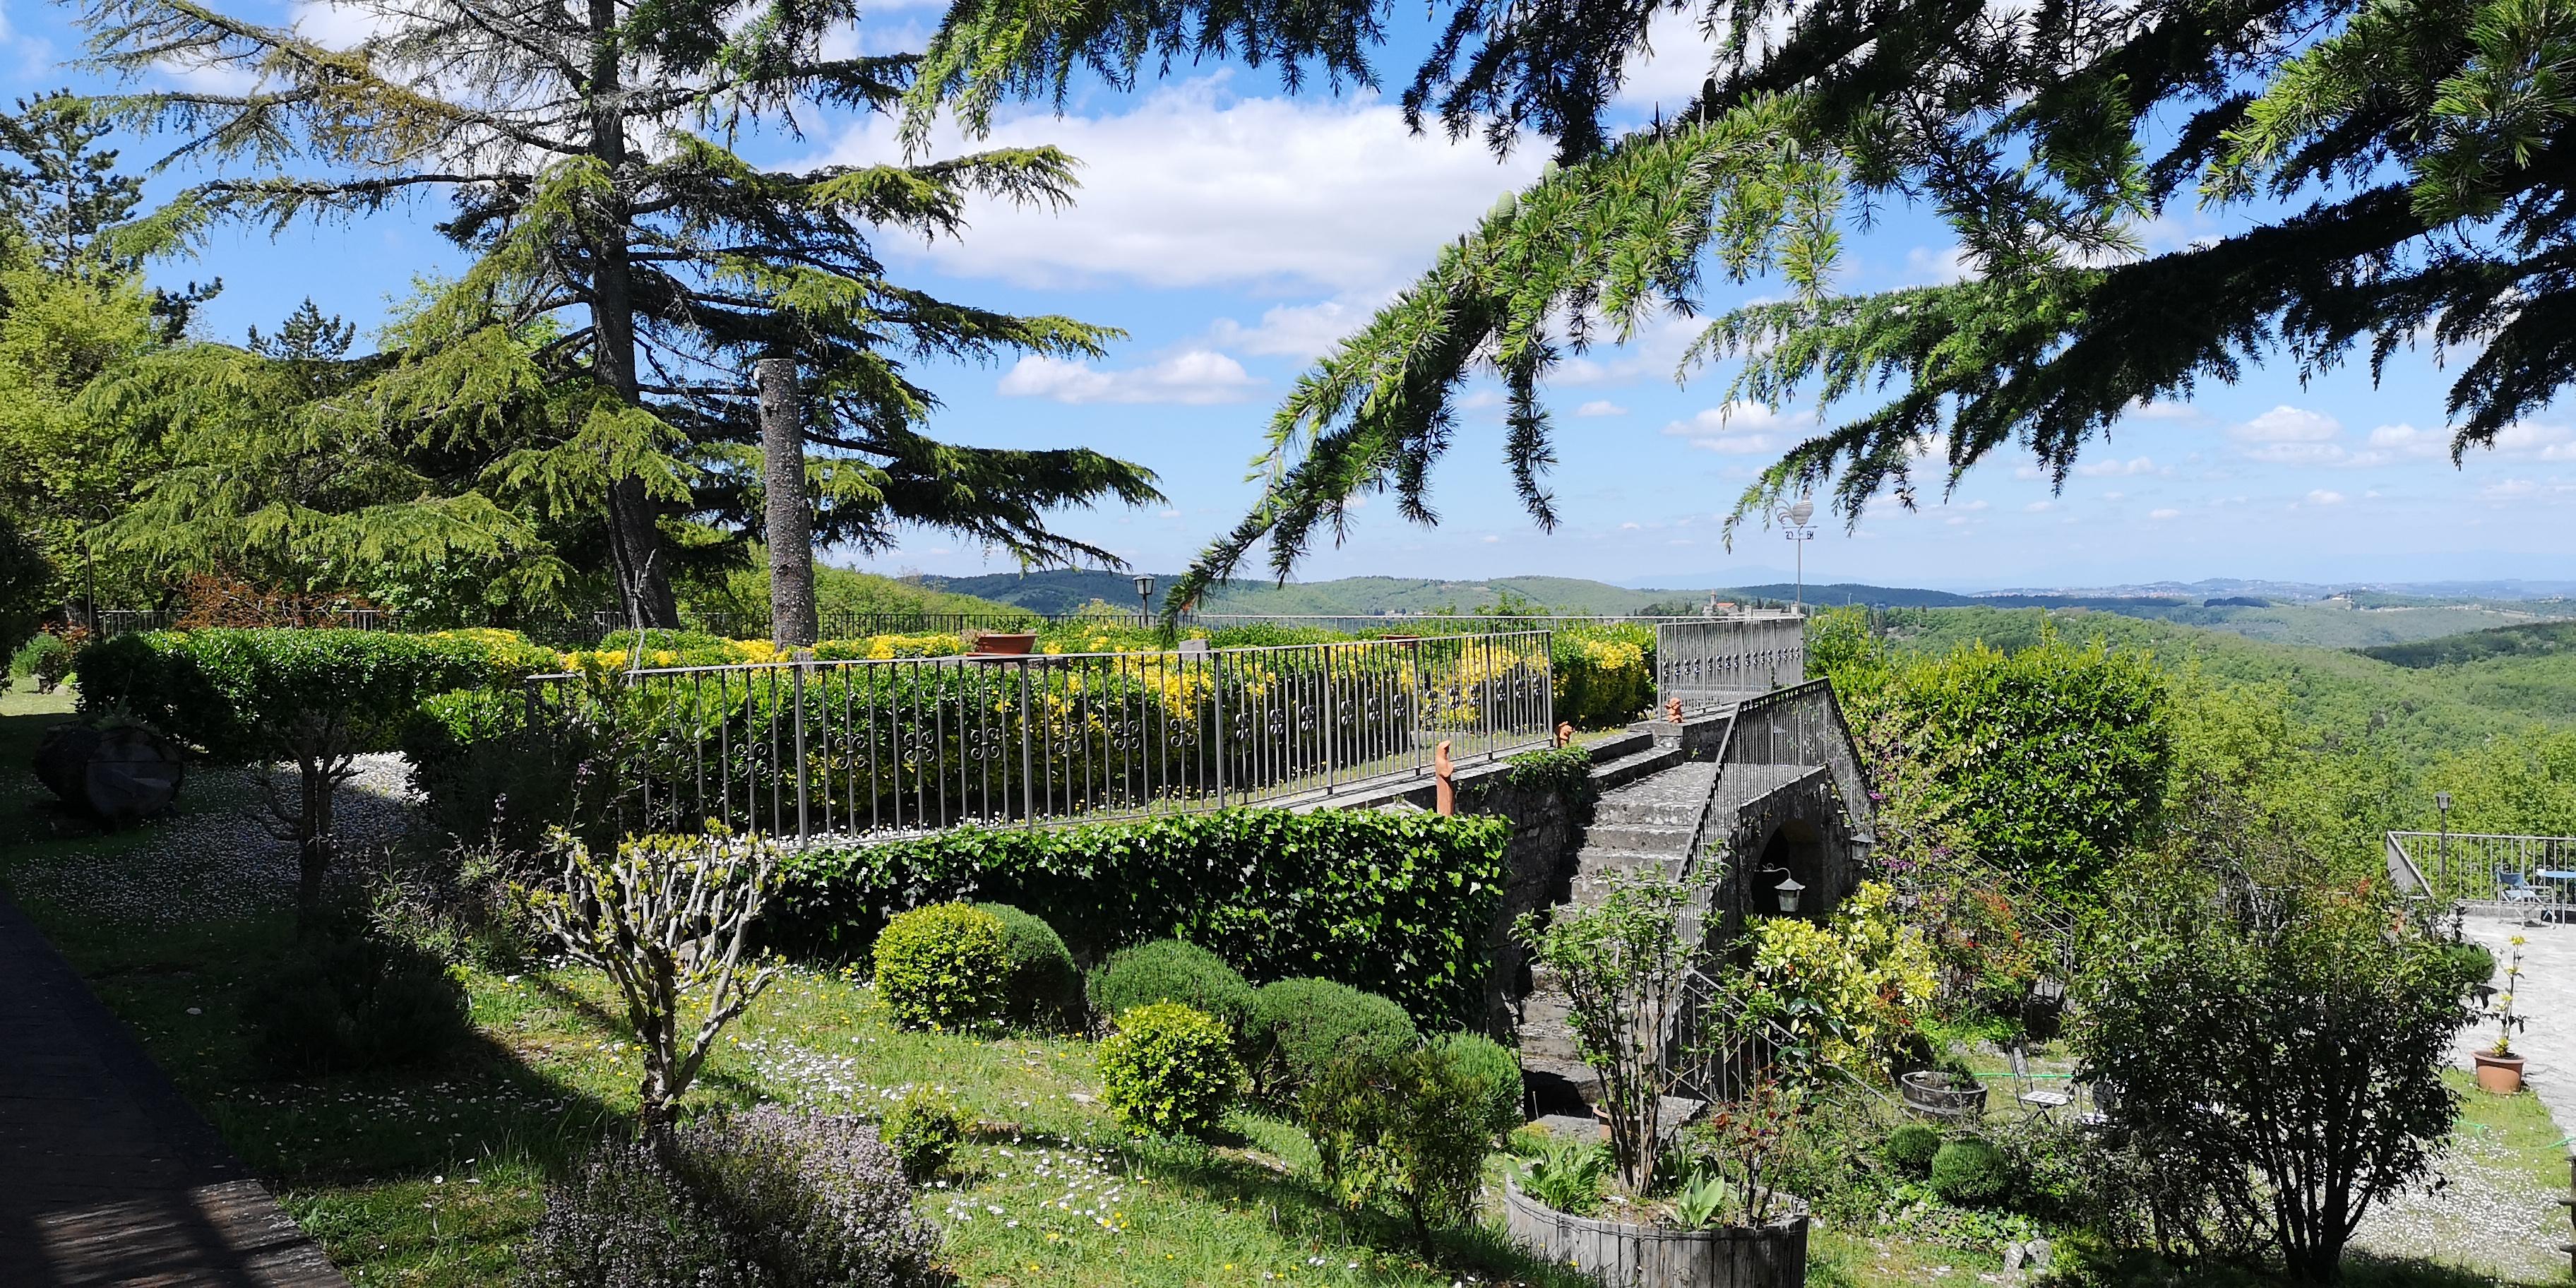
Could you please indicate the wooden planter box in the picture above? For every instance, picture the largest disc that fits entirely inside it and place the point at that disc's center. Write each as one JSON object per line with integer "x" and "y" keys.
{"x": 1772, "y": 1255}
{"x": 1931, "y": 1092}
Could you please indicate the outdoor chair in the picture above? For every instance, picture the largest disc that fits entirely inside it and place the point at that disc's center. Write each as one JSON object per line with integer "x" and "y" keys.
{"x": 2511, "y": 888}
{"x": 2027, "y": 1090}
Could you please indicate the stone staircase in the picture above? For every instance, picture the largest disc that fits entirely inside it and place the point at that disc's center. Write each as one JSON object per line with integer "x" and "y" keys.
{"x": 1649, "y": 804}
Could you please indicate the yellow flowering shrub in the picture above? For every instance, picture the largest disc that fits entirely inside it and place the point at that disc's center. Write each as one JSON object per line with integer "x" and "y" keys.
{"x": 1868, "y": 972}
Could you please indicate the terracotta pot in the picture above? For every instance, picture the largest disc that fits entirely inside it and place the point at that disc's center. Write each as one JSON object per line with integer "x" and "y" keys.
{"x": 2499, "y": 1075}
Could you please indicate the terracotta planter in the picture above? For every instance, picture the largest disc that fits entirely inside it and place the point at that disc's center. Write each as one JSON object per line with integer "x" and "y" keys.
{"x": 1770, "y": 1255}
{"x": 1935, "y": 1094}
{"x": 2499, "y": 1075}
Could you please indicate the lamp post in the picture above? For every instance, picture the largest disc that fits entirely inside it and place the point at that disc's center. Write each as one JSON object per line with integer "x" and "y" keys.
{"x": 2442, "y": 861}
{"x": 1789, "y": 890}
{"x": 1145, "y": 597}
{"x": 1793, "y": 525}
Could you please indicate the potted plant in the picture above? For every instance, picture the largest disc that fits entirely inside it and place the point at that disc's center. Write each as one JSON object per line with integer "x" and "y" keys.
{"x": 1624, "y": 965}
{"x": 1949, "y": 1092}
{"x": 2499, "y": 1068}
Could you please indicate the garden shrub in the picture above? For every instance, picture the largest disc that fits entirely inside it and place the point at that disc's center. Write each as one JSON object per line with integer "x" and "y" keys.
{"x": 349, "y": 996}
{"x": 946, "y": 966}
{"x": 1910, "y": 1149}
{"x": 1971, "y": 1172}
{"x": 1170, "y": 970}
{"x": 1396, "y": 904}
{"x": 1570, "y": 1175}
{"x": 1297, "y": 1026}
{"x": 47, "y": 657}
{"x": 1603, "y": 675}
{"x": 1865, "y": 977}
{"x": 764, "y": 1199}
{"x": 495, "y": 770}
{"x": 1169, "y": 1069}
{"x": 1412, "y": 1126}
{"x": 924, "y": 1129}
{"x": 1493, "y": 1068}
{"x": 1040, "y": 985}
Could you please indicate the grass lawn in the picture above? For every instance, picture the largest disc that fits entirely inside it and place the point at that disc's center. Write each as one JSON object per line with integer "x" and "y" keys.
{"x": 429, "y": 1177}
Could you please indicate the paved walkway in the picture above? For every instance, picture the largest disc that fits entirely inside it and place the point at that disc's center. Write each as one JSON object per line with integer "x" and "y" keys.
{"x": 2547, "y": 997}
{"x": 107, "y": 1176}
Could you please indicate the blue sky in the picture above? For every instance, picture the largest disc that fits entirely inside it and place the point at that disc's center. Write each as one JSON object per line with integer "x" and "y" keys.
{"x": 1235, "y": 232}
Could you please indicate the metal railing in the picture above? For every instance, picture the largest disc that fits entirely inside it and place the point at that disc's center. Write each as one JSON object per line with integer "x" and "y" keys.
{"x": 808, "y": 748}
{"x": 1717, "y": 1054}
{"x": 833, "y": 625}
{"x": 1426, "y": 623}
{"x": 1712, "y": 660}
{"x": 2474, "y": 867}
{"x": 113, "y": 622}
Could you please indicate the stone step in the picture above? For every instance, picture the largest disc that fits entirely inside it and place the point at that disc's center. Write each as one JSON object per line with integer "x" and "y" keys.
{"x": 1620, "y": 745}
{"x": 1611, "y": 775}
{"x": 1590, "y": 891}
{"x": 1671, "y": 798}
{"x": 1654, "y": 838}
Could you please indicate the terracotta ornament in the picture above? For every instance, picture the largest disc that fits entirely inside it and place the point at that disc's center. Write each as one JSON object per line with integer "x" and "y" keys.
{"x": 1445, "y": 775}
{"x": 1673, "y": 711}
{"x": 1564, "y": 733}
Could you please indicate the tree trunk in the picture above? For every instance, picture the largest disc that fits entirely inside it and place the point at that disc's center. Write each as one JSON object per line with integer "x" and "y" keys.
{"x": 635, "y": 544}
{"x": 791, "y": 522}
{"x": 313, "y": 834}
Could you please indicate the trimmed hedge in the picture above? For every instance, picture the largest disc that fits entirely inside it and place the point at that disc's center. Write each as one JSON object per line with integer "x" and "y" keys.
{"x": 1042, "y": 988}
{"x": 1300, "y": 1025}
{"x": 1396, "y": 904}
{"x": 946, "y": 966}
{"x": 1169, "y": 1070}
{"x": 1168, "y": 970}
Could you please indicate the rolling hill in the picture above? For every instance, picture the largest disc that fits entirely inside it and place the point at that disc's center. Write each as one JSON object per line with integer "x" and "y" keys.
{"x": 2531, "y": 640}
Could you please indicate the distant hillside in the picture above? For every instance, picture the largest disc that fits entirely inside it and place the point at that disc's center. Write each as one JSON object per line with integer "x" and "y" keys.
{"x": 743, "y": 595}
{"x": 1051, "y": 590}
{"x": 1063, "y": 591}
{"x": 2532, "y": 640}
{"x": 2424, "y": 710}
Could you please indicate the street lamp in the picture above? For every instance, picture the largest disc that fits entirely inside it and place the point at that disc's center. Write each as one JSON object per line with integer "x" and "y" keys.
{"x": 2442, "y": 802}
{"x": 1789, "y": 890}
{"x": 1793, "y": 525}
{"x": 1145, "y": 595}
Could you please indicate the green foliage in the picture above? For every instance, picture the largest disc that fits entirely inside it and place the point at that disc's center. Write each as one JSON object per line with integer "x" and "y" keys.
{"x": 1395, "y": 904}
{"x": 1911, "y": 1147}
{"x": 1569, "y": 1175}
{"x": 1409, "y": 1126}
{"x": 2535, "y": 639}
{"x": 1971, "y": 1172}
{"x": 1604, "y": 676}
{"x": 2281, "y": 1072}
{"x": 1565, "y": 772}
{"x": 348, "y": 996}
{"x": 924, "y": 1129}
{"x": 1169, "y": 1069}
{"x": 1171, "y": 970}
{"x": 1042, "y": 987}
{"x": 46, "y": 658}
{"x": 1489, "y": 1065}
{"x": 946, "y": 966}
{"x": 1297, "y": 1026}
{"x": 495, "y": 769}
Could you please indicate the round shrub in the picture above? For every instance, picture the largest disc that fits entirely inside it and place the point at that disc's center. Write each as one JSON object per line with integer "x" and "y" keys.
{"x": 924, "y": 1129}
{"x": 1910, "y": 1149}
{"x": 1297, "y": 1026}
{"x": 1169, "y": 1069}
{"x": 1493, "y": 1070}
{"x": 1169, "y": 970}
{"x": 1040, "y": 984}
{"x": 349, "y": 996}
{"x": 943, "y": 967}
{"x": 1970, "y": 1172}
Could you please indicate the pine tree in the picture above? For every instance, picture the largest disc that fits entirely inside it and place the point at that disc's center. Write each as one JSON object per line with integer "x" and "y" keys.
{"x": 64, "y": 193}
{"x": 2412, "y": 152}
{"x": 629, "y": 264}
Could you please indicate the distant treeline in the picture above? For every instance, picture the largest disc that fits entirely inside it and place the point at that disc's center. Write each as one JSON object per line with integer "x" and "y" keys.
{"x": 2536, "y": 639}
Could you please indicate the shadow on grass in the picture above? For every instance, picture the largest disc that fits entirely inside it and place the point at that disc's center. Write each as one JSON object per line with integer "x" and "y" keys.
{"x": 2365, "y": 1270}
{"x": 1301, "y": 1212}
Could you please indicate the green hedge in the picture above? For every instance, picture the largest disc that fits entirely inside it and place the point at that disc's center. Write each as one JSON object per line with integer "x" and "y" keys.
{"x": 1397, "y": 904}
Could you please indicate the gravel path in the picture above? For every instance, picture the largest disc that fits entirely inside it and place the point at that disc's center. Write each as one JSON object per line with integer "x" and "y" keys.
{"x": 219, "y": 859}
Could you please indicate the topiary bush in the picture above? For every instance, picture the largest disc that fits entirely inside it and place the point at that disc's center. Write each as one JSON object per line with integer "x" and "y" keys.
{"x": 1169, "y": 970}
{"x": 1042, "y": 988}
{"x": 943, "y": 967}
{"x": 1910, "y": 1148}
{"x": 348, "y": 996}
{"x": 1397, "y": 904}
{"x": 924, "y": 1129}
{"x": 1411, "y": 1126}
{"x": 1494, "y": 1070}
{"x": 1297, "y": 1026}
{"x": 1970, "y": 1172}
{"x": 1169, "y": 1069}
{"x": 765, "y": 1199}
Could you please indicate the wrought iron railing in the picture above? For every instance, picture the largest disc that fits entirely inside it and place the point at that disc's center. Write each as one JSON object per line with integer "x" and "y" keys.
{"x": 806, "y": 748}
{"x": 2473, "y": 867}
{"x": 113, "y": 622}
{"x": 1427, "y": 623}
{"x": 836, "y": 625}
{"x": 1706, "y": 661}
{"x": 1716, "y": 1053}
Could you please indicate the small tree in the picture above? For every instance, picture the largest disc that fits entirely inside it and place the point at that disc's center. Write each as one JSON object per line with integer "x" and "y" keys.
{"x": 1622, "y": 963}
{"x": 2285, "y": 1055}
{"x": 666, "y": 920}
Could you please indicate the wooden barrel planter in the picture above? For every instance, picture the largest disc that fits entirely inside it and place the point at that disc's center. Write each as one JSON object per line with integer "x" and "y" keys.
{"x": 115, "y": 773}
{"x": 1946, "y": 1096}
{"x": 1770, "y": 1255}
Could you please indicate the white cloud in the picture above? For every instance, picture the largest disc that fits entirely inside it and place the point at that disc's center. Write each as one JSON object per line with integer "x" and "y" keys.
{"x": 1197, "y": 377}
{"x": 1489, "y": 539}
{"x": 2509, "y": 489}
{"x": 1740, "y": 428}
{"x": 1193, "y": 188}
{"x": 2323, "y": 497}
{"x": 2039, "y": 507}
{"x": 1670, "y": 77}
{"x": 1167, "y": 514}
{"x": 2161, "y": 515}
{"x": 1300, "y": 331}
{"x": 2406, "y": 440}
{"x": 2547, "y": 442}
{"x": 1925, "y": 266}
{"x": 1600, "y": 407}
{"x": 2287, "y": 424}
{"x": 2162, "y": 411}
{"x": 2118, "y": 469}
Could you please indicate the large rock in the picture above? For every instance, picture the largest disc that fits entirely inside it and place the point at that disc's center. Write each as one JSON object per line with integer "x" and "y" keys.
{"x": 114, "y": 771}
